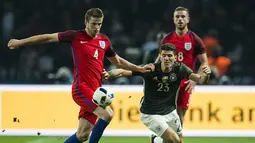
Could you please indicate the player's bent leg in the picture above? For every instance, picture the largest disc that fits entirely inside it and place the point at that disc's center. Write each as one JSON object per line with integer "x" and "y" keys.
{"x": 104, "y": 113}
{"x": 169, "y": 136}
{"x": 105, "y": 116}
{"x": 175, "y": 123}
{"x": 82, "y": 133}
{"x": 84, "y": 129}
{"x": 183, "y": 102}
{"x": 83, "y": 97}
{"x": 158, "y": 124}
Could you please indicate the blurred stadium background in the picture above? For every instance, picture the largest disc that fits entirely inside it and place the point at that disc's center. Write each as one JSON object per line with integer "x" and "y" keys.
{"x": 224, "y": 108}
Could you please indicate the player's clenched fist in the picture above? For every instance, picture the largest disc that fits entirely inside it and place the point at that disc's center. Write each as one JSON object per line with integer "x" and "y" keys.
{"x": 206, "y": 69}
{"x": 14, "y": 43}
{"x": 105, "y": 74}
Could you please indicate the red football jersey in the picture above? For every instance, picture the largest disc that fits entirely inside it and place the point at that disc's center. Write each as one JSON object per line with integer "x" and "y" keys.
{"x": 188, "y": 47}
{"x": 88, "y": 56}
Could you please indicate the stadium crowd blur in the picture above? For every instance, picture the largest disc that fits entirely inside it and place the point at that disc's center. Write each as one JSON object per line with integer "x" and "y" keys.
{"x": 134, "y": 26}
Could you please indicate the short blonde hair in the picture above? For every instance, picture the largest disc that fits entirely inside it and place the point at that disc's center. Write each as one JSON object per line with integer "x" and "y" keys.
{"x": 93, "y": 12}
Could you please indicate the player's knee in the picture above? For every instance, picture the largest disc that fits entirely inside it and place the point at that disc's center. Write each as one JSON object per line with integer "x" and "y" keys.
{"x": 170, "y": 136}
{"x": 82, "y": 136}
{"x": 105, "y": 114}
{"x": 108, "y": 114}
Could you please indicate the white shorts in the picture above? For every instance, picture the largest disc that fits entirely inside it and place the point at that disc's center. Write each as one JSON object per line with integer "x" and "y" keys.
{"x": 159, "y": 123}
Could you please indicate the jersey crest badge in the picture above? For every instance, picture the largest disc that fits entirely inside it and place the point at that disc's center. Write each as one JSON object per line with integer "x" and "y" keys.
{"x": 173, "y": 77}
{"x": 165, "y": 79}
{"x": 187, "y": 46}
{"x": 102, "y": 44}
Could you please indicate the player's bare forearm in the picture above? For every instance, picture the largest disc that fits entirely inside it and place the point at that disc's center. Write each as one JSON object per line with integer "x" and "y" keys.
{"x": 39, "y": 39}
{"x": 203, "y": 78}
{"x": 199, "y": 78}
{"x": 124, "y": 64}
{"x": 115, "y": 73}
{"x": 194, "y": 77}
{"x": 203, "y": 61}
{"x": 118, "y": 73}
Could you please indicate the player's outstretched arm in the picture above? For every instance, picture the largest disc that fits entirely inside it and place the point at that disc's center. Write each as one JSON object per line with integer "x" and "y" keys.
{"x": 124, "y": 64}
{"x": 37, "y": 39}
{"x": 201, "y": 78}
{"x": 119, "y": 72}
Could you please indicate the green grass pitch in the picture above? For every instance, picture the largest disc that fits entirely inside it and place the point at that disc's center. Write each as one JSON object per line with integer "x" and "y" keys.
{"x": 39, "y": 139}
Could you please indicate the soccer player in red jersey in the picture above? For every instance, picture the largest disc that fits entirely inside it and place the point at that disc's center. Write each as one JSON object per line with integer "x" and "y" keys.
{"x": 189, "y": 47}
{"x": 89, "y": 47}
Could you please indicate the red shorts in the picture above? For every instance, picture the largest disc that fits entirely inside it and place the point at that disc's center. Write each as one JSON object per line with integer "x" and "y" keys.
{"x": 184, "y": 96}
{"x": 82, "y": 95}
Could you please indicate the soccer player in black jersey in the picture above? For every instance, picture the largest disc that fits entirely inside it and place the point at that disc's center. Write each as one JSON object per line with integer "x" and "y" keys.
{"x": 158, "y": 105}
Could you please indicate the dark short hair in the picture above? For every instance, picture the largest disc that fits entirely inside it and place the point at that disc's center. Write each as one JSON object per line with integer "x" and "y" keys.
{"x": 168, "y": 47}
{"x": 93, "y": 12}
{"x": 180, "y": 8}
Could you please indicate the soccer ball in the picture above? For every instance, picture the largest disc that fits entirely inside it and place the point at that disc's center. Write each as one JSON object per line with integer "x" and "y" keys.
{"x": 102, "y": 97}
